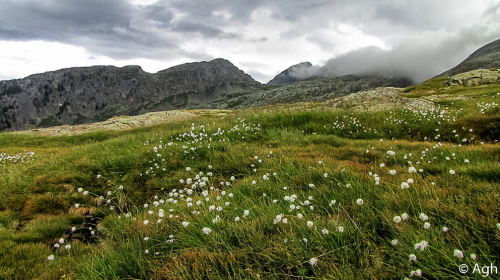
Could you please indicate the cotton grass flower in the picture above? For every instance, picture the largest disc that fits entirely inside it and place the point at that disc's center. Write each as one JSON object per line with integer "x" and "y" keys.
{"x": 397, "y": 219}
{"x": 459, "y": 254}
{"x": 392, "y": 172}
{"x": 246, "y": 213}
{"x": 421, "y": 245}
{"x": 340, "y": 229}
{"x": 145, "y": 222}
{"x": 313, "y": 261}
{"x": 310, "y": 224}
{"x": 50, "y": 258}
{"x": 404, "y": 216}
{"x": 237, "y": 219}
{"x": 394, "y": 242}
{"x": 473, "y": 256}
{"x": 206, "y": 230}
{"x": 445, "y": 229}
{"x": 325, "y": 231}
{"x": 412, "y": 169}
{"x": 278, "y": 218}
{"x": 427, "y": 225}
{"x": 452, "y": 172}
{"x": 359, "y": 201}
{"x": 412, "y": 257}
{"x": 423, "y": 217}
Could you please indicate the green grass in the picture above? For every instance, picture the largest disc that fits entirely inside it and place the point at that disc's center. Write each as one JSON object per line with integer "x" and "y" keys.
{"x": 317, "y": 155}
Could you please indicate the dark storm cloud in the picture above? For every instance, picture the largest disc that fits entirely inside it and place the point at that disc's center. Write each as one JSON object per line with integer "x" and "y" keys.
{"x": 120, "y": 30}
{"x": 51, "y": 20}
{"x": 165, "y": 29}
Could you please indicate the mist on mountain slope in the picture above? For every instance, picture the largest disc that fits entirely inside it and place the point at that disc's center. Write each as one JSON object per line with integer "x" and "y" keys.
{"x": 419, "y": 57}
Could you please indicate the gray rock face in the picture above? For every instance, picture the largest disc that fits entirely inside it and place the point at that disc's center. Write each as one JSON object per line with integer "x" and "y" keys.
{"x": 380, "y": 99}
{"x": 476, "y": 78}
{"x": 485, "y": 57}
{"x": 312, "y": 91}
{"x": 293, "y": 74}
{"x": 90, "y": 94}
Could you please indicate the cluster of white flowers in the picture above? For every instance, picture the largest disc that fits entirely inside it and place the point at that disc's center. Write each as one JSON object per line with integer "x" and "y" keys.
{"x": 18, "y": 158}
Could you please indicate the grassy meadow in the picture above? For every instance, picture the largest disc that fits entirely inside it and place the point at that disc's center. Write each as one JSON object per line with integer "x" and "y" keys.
{"x": 264, "y": 193}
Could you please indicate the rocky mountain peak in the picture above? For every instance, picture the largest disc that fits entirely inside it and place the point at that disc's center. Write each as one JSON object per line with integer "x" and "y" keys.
{"x": 90, "y": 94}
{"x": 292, "y": 74}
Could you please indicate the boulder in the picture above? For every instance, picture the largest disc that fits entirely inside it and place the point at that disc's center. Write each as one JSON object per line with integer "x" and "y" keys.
{"x": 476, "y": 78}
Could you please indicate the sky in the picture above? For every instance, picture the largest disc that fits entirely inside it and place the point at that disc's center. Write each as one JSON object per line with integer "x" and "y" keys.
{"x": 262, "y": 38}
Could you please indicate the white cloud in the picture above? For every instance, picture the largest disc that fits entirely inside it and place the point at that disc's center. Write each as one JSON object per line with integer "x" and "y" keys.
{"x": 157, "y": 34}
{"x": 21, "y": 59}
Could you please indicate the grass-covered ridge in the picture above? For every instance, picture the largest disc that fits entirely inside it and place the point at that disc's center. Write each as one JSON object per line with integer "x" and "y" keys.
{"x": 261, "y": 194}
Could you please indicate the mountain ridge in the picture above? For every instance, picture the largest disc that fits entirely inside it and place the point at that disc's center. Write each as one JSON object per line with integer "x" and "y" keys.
{"x": 488, "y": 56}
{"x": 88, "y": 94}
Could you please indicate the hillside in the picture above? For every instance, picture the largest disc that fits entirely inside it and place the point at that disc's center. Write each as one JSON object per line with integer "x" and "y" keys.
{"x": 317, "y": 190}
{"x": 485, "y": 57}
{"x": 313, "y": 90}
{"x": 90, "y": 94}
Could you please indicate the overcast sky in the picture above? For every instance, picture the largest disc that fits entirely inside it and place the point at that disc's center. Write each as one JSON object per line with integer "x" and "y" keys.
{"x": 261, "y": 38}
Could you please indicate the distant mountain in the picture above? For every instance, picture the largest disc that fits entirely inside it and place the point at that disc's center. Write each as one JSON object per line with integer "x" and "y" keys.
{"x": 295, "y": 73}
{"x": 485, "y": 57}
{"x": 305, "y": 71}
{"x": 312, "y": 90}
{"x": 90, "y": 94}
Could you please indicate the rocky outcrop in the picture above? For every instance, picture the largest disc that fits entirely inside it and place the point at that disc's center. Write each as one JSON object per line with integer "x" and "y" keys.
{"x": 293, "y": 74}
{"x": 380, "y": 99}
{"x": 92, "y": 94}
{"x": 485, "y": 57}
{"x": 476, "y": 78}
{"x": 311, "y": 91}
{"x": 115, "y": 123}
